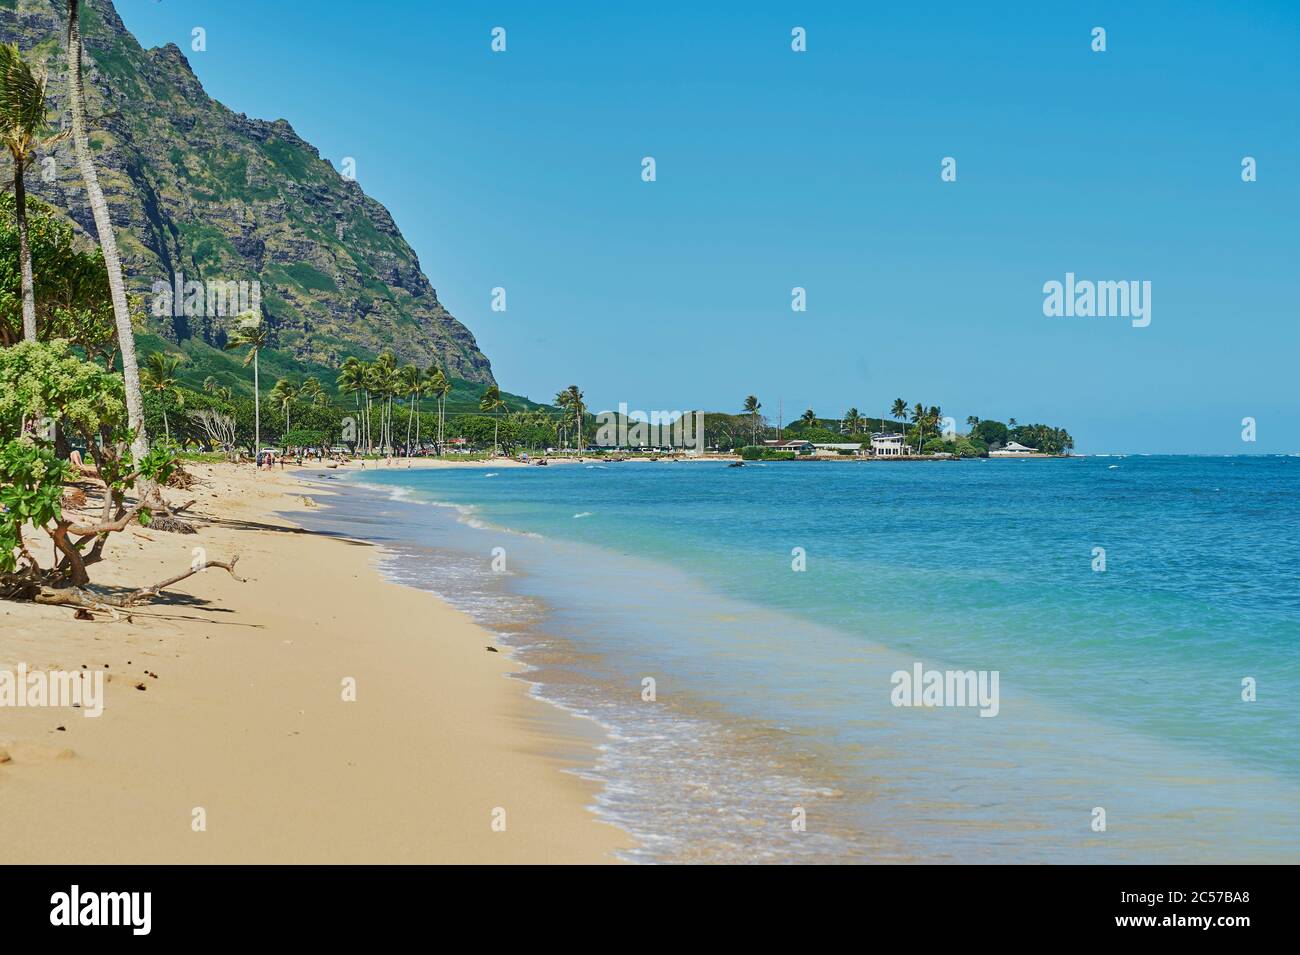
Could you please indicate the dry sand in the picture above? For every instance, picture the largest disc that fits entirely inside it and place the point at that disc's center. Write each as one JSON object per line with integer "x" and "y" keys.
{"x": 245, "y": 717}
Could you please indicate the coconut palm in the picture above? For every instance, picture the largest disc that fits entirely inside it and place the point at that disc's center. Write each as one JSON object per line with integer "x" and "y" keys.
{"x": 159, "y": 377}
{"x": 751, "y": 408}
{"x": 852, "y": 421}
{"x": 440, "y": 387}
{"x": 22, "y": 122}
{"x": 809, "y": 418}
{"x": 383, "y": 385}
{"x": 282, "y": 396}
{"x": 409, "y": 380}
{"x": 571, "y": 399}
{"x": 252, "y": 334}
{"x": 491, "y": 403}
{"x": 107, "y": 241}
{"x": 351, "y": 380}
{"x": 899, "y": 410}
{"x": 310, "y": 392}
{"x": 918, "y": 419}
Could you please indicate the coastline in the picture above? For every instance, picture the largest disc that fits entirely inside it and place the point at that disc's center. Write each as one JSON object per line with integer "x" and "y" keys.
{"x": 245, "y": 717}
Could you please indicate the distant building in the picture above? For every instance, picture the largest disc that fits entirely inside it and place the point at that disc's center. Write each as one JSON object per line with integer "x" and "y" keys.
{"x": 888, "y": 445}
{"x": 798, "y": 447}
{"x": 1012, "y": 449}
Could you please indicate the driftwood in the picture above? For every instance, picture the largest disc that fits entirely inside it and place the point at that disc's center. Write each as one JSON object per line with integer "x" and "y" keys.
{"x": 89, "y": 600}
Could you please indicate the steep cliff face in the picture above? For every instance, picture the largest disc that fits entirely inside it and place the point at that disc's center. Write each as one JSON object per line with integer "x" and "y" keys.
{"x": 197, "y": 190}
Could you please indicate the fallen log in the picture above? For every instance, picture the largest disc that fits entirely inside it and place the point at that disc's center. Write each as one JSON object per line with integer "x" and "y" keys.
{"x": 89, "y": 600}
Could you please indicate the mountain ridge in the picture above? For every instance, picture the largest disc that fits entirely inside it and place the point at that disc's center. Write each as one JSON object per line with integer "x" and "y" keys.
{"x": 196, "y": 188}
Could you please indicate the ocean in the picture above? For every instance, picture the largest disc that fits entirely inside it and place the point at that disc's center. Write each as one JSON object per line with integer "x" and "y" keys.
{"x": 738, "y": 632}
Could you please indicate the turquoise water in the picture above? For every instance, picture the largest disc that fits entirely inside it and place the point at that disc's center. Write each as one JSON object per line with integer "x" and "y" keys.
{"x": 1119, "y": 689}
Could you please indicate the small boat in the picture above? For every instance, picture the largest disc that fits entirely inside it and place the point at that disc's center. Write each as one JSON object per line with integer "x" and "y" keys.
{"x": 736, "y": 464}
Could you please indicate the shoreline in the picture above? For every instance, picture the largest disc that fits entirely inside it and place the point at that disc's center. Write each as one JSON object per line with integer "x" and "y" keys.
{"x": 242, "y": 714}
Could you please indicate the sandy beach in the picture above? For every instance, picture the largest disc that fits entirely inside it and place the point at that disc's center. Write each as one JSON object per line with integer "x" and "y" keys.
{"x": 228, "y": 697}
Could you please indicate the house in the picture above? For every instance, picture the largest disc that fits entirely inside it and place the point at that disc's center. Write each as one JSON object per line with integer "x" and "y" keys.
{"x": 1012, "y": 449}
{"x": 798, "y": 447}
{"x": 889, "y": 445}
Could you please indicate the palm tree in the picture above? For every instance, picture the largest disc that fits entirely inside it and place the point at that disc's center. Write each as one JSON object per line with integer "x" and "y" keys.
{"x": 22, "y": 121}
{"x": 918, "y": 419}
{"x": 159, "y": 376}
{"x": 933, "y": 417}
{"x": 283, "y": 395}
{"x": 251, "y": 334}
{"x": 409, "y": 381}
{"x": 809, "y": 418}
{"x": 899, "y": 411}
{"x": 312, "y": 393}
{"x": 751, "y": 408}
{"x": 383, "y": 383}
{"x": 107, "y": 242}
{"x": 440, "y": 388}
{"x": 852, "y": 421}
{"x": 573, "y": 401}
{"x": 491, "y": 403}
{"x": 352, "y": 380}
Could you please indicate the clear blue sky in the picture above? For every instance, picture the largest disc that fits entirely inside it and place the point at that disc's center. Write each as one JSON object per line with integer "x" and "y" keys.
{"x": 821, "y": 170}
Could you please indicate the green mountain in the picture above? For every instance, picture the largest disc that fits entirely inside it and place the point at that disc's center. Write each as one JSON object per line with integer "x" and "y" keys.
{"x": 217, "y": 198}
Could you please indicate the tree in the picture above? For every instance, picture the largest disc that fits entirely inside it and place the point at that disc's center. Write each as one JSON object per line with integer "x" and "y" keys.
{"x": 918, "y": 419}
{"x": 312, "y": 394}
{"x": 22, "y": 121}
{"x": 899, "y": 409}
{"x": 48, "y": 382}
{"x": 282, "y": 396}
{"x": 571, "y": 399}
{"x": 107, "y": 242}
{"x": 751, "y": 408}
{"x": 159, "y": 377}
{"x": 440, "y": 388}
{"x": 71, "y": 284}
{"x": 408, "y": 387}
{"x": 382, "y": 383}
{"x": 351, "y": 380}
{"x": 251, "y": 334}
{"x": 491, "y": 403}
{"x": 990, "y": 432}
{"x": 809, "y": 418}
{"x": 852, "y": 421}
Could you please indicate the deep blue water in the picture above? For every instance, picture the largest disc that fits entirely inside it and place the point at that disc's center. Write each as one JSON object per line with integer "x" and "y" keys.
{"x": 1120, "y": 688}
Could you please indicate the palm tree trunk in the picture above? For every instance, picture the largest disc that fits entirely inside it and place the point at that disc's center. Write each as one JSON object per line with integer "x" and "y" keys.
{"x": 167, "y": 428}
{"x": 257, "y": 409}
{"x": 24, "y": 254}
{"x": 107, "y": 242}
{"x": 408, "y": 434}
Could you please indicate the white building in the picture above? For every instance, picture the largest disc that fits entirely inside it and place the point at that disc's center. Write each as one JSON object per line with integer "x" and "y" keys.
{"x": 1013, "y": 449}
{"x": 889, "y": 445}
